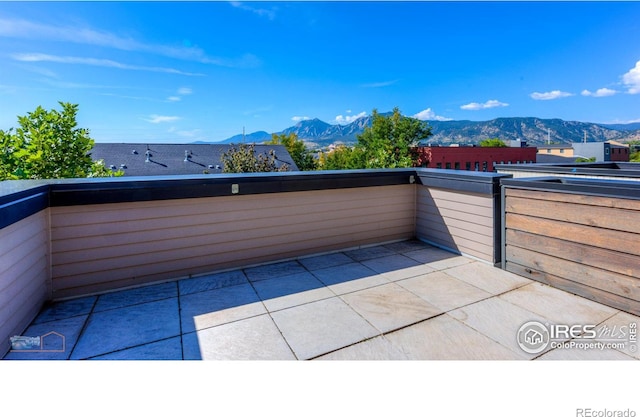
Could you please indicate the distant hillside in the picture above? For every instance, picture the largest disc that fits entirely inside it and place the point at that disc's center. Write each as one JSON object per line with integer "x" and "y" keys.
{"x": 318, "y": 133}
{"x": 623, "y": 127}
{"x": 255, "y": 137}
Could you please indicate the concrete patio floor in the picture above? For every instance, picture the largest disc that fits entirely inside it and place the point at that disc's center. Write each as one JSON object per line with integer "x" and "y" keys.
{"x": 404, "y": 300}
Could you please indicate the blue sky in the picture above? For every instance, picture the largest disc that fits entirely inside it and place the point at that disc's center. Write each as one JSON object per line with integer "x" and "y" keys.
{"x": 181, "y": 72}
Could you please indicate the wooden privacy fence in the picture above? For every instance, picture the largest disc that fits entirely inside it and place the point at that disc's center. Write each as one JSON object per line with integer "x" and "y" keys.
{"x": 577, "y": 235}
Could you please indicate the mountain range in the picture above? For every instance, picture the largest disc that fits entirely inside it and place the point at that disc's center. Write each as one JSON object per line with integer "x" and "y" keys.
{"x": 535, "y": 131}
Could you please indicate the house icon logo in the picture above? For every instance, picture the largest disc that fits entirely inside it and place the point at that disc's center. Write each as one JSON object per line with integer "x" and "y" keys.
{"x": 533, "y": 337}
{"x": 48, "y": 342}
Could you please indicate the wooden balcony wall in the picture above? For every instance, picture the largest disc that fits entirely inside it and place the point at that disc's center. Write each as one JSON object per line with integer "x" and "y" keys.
{"x": 106, "y": 246}
{"x": 460, "y": 221}
{"x": 588, "y": 245}
{"x": 25, "y": 278}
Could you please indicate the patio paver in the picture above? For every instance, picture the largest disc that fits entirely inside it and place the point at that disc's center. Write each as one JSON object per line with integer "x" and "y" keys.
{"x": 255, "y": 338}
{"x": 403, "y": 300}
{"x": 134, "y": 296}
{"x": 444, "y": 291}
{"x": 483, "y": 317}
{"x": 211, "y": 282}
{"x": 559, "y": 306}
{"x": 291, "y": 290}
{"x": 444, "y": 337}
{"x": 321, "y": 327}
{"x": 126, "y": 327}
{"x": 487, "y": 278}
{"x": 167, "y": 349}
{"x": 349, "y": 278}
{"x": 378, "y": 348}
{"x": 211, "y": 308}
{"x": 66, "y": 309}
{"x": 389, "y": 307}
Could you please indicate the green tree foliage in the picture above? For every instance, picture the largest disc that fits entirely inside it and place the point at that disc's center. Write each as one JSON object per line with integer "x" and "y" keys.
{"x": 48, "y": 144}
{"x": 492, "y": 143}
{"x": 583, "y": 160}
{"x": 297, "y": 149}
{"x": 389, "y": 141}
{"x": 243, "y": 158}
{"x": 342, "y": 157}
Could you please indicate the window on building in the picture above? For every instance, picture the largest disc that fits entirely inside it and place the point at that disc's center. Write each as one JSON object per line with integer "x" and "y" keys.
{"x": 484, "y": 166}
{"x": 447, "y": 165}
{"x": 467, "y": 166}
{"x": 477, "y": 166}
{"x": 439, "y": 165}
{"x": 548, "y": 150}
{"x": 561, "y": 150}
{"x": 457, "y": 165}
{"x": 606, "y": 151}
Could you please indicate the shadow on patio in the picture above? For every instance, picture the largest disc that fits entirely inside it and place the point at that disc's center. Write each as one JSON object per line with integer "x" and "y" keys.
{"x": 403, "y": 300}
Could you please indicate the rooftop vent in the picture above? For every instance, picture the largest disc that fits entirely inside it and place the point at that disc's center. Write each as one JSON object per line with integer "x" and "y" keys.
{"x": 112, "y": 166}
{"x": 123, "y": 166}
{"x": 134, "y": 152}
{"x": 148, "y": 153}
{"x": 187, "y": 156}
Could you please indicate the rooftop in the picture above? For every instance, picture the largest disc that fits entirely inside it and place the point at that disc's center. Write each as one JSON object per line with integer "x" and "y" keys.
{"x": 403, "y": 300}
{"x": 144, "y": 159}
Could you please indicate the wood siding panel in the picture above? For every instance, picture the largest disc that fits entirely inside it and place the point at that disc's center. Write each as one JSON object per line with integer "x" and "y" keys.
{"x": 594, "y": 277}
{"x": 594, "y": 294}
{"x": 24, "y": 274}
{"x": 594, "y": 216}
{"x": 462, "y": 222}
{"x": 603, "y": 238}
{"x": 583, "y": 244}
{"x": 108, "y": 246}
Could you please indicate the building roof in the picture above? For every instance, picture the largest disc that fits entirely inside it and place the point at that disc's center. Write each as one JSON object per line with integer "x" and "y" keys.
{"x": 555, "y": 146}
{"x": 169, "y": 159}
{"x": 542, "y": 158}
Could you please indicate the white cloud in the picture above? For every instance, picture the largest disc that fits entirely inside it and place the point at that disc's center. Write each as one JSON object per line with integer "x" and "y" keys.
{"x": 380, "y": 84}
{"x": 24, "y": 29}
{"x": 632, "y": 79}
{"x": 268, "y": 13}
{"x": 300, "y": 118}
{"x": 551, "y": 95}
{"x": 37, "y": 57}
{"x": 182, "y": 91}
{"x": 156, "y": 118}
{"x": 340, "y": 119}
{"x": 489, "y": 104}
{"x": 601, "y": 92}
{"x": 429, "y": 114}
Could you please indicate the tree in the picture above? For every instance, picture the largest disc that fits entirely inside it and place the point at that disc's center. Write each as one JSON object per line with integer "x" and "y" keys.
{"x": 342, "y": 157}
{"x": 389, "y": 141}
{"x": 244, "y": 159}
{"x": 583, "y": 160}
{"x": 297, "y": 149}
{"x": 492, "y": 143}
{"x": 48, "y": 144}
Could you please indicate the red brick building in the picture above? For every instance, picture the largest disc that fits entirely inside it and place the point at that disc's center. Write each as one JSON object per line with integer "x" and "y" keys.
{"x": 474, "y": 158}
